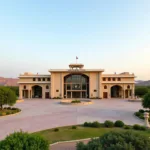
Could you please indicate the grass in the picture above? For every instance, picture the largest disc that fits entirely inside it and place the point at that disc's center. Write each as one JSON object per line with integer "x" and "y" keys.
{"x": 67, "y": 133}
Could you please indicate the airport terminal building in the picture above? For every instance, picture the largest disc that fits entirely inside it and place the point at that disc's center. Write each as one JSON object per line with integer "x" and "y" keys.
{"x": 76, "y": 82}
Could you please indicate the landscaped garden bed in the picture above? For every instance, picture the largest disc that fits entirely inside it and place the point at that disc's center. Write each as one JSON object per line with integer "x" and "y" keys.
{"x": 140, "y": 114}
{"x": 76, "y": 101}
{"x": 8, "y": 111}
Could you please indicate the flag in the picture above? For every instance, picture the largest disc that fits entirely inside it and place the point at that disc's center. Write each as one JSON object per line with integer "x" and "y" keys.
{"x": 76, "y": 57}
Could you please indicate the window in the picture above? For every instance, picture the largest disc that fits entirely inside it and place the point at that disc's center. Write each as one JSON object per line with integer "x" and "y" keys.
{"x": 104, "y": 79}
{"x": 109, "y": 79}
{"x": 47, "y": 87}
{"x": 34, "y": 79}
{"x": 24, "y": 87}
{"x": 105, "y": 87}
{"x": 95, "y": 90}
{"x": 43, "y": 79}
{"x": 57, "y": 90}
{"x": 114, "y": 79}
{"x": 48, "y": 79}
{"x": 119, "y": 79}
{"x": 128, "y": 86}
{"x": 39, "y": 79}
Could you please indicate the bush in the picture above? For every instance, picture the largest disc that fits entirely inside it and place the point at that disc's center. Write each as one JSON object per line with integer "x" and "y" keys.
{"x": 141, "y": 116}
{"x": 119, "y": 123}
{"x": 76, "y": 101}
{"x": 3, "y": 113}
{"x": 56, "y": 129}
{"x": 126, "y": 127}
{"x": 95, "y": 124}
{"x": 24, "y": 141}
{"x": 141, "y": 111}
{"x": 74, "y": 127}
{"x": 143, "y": 128}
{"x": 125, "y": 140}
{"x": 137, "y": 127}
{"x": 108, "y": 124}
{"x": 137, "y": 114}
{"x": 8, "y": 113}
{"x": 87, "y": 124}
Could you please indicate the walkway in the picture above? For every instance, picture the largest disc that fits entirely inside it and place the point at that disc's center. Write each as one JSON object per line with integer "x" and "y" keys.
{"x": 41, "y": 114}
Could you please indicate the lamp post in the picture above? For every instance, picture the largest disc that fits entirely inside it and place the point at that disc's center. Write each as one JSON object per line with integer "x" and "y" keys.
{"x": 146, "y": 116}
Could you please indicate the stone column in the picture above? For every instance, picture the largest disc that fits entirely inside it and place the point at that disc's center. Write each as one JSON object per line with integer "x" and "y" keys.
{"x": 43, "y": 92}
{"x": 133, "y": 92}
{"x": 28, "y": 93}
{"x": 20, "y": 92}
{"x": 109, "y": 91}
{"x": 146, "y": 116}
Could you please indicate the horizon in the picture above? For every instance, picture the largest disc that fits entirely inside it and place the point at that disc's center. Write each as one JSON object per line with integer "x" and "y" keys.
{"x": 110, "y": 35}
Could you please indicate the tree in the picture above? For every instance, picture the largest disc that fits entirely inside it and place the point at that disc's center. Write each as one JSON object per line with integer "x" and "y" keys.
{"x": 146, "y": 101}
{"x": 7, "y": 97}
{"x": 24, "y": 141}
{"x": 141, "y": 91}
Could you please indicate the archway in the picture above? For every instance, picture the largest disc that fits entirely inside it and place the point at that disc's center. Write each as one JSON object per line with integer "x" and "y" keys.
{"x": 36, "y": 91}
{"x": 116, "y": 91}
{"x": 76, "y": 86}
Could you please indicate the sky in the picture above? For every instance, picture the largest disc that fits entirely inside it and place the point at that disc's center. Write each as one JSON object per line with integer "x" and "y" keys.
{"x": 38, "y": 35}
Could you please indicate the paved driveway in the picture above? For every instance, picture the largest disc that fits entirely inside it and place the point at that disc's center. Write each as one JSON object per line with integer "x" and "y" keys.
{"x": 41, "y": 114}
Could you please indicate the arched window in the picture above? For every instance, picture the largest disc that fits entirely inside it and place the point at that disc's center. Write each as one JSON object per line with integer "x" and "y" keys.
{"x": 24, "y": 87}
{"x": 128, "y": 86}
{"x": 76, "y": 86}
{"x": 105, "y": 87}
{"x": 47, "y": 87}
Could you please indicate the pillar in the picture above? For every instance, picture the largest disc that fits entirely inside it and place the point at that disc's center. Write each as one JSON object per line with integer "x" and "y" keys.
{"x": 133, "y": 92}
{"x": 28, "y": 93}
{"x": 146, "y": 116}
{"x": 43, "y": 92}
{"x": 31, "y": 94}
{"x": 20, "y": 92}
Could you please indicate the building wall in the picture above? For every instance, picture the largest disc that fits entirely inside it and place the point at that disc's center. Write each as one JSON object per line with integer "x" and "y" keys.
{"x": 96, "y": 84}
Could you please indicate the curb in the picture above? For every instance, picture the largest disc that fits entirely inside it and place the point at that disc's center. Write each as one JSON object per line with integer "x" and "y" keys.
{"x": 61, "y": 142}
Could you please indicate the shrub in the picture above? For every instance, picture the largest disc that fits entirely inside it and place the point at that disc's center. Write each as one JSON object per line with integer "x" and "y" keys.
{"x": 137, "y": 127}
{"x": 24, "y": 141}
{"x": 108, "y": 124}
{"x": 124, "y": 140}
{"x": 141, "y": 111}
{"x": 119, "y": 123}
{"x": 87, "y": 124}
{"x": 76, "y": 101}
{"x": 137, "y": 114}
{"x": 143, "y": 128}
{"x": 95, "y": 124}
{"x": 56, "y": 129}
{"x": 8, "y": 113}
{"x": 141, "y": 116}
{"x": 126, "y": 127}
{"x": 3, "y": 113}
{"x": 74, "y": 127}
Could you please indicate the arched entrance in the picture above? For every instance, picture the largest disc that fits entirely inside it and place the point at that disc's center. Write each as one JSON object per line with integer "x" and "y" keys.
{"x": 76, "y": 86}
{"x": 36, "y": 91}
{"x": 116, "y": 91}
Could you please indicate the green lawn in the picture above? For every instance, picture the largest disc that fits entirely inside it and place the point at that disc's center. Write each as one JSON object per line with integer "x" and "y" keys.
{"x": 67, "y": 133}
